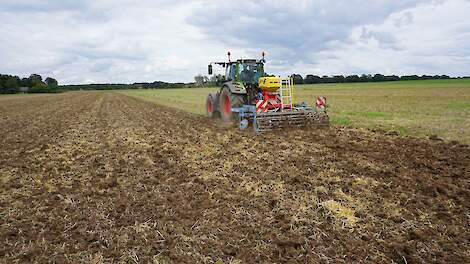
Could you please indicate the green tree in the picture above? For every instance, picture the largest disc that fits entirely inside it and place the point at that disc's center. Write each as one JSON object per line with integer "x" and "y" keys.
{"x": 40, "y": 85}
{"x": 36, "y": 81}
{"x": 26, "y": 82}
{"x": 365, "y": 78}
{"x": 51, "y": 82}
{"x": 298, "y": 79}
{"x": 328, "y": 79}
{"x": 12, "y": 85}
{"x": 310, "y": 79}
{"x": 339, "y": 79}
{"x": 199, "y": 79}
{"x": 378, "y": 78}
{"x": 352, "y": 78}
{"x": 35, "y": 78}
{"x": 216, "y": 80}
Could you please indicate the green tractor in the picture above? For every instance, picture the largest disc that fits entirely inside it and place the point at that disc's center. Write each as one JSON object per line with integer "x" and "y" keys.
{"x": 250, "y": 96}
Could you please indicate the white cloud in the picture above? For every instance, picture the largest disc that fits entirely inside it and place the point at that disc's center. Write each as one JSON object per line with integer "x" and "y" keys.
{"x": 427, "y": 39}
{"x": 132, "y": 41}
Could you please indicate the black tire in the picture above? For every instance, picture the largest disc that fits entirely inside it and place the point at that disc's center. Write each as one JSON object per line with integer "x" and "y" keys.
{"x": 210, "y": 106}
{"x": 228, "y": 101}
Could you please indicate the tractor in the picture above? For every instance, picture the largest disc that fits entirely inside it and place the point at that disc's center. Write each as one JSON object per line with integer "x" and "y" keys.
{"x": 249, "y": 96}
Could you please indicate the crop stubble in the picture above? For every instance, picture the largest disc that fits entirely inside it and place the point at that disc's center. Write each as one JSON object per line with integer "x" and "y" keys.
{"x": 101, "y": 177}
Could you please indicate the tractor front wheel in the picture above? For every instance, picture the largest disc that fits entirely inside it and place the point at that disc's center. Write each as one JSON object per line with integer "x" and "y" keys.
{"x": 228, "y": 101}
{"x": 210, "y": 106}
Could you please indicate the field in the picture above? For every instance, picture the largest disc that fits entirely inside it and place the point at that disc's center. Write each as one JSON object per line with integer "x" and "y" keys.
{"x": 100, "y": 177}
{"x": 416, "y": 108}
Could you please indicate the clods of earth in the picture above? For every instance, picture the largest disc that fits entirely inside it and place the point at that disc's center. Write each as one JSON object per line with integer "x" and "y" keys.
{"x": 98, "y": 177}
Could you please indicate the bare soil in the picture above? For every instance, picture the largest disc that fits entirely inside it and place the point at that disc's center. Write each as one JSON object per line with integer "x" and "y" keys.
{"x": 103, "y": 178}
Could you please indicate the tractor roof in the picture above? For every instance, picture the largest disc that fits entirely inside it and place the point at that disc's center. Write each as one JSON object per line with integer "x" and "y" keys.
{"x": 248, "y": 61}
{"x": 239, "y": 61}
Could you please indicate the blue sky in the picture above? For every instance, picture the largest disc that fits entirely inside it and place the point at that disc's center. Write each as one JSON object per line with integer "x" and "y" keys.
{"x": 133, "y": 41}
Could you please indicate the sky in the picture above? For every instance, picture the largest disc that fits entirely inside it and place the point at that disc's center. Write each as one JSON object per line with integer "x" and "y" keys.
{"x": 127, "y": 41}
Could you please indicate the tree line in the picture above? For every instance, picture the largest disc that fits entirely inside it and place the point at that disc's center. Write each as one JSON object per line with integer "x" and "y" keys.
{"x": 217, "y": 80}
{"x": 313, "y": 79}
{"x": 10, "y": 84}
{"x": 214, "y": 80}
{"x": 114, "y": 86}
{"x": 33, "y": 84}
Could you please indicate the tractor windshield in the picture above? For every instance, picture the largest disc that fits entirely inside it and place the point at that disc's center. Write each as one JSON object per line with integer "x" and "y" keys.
{"x": 250, "y": 73}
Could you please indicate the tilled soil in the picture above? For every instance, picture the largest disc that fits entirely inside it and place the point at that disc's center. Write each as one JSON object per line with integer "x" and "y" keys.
{"x": 103, "y": 178}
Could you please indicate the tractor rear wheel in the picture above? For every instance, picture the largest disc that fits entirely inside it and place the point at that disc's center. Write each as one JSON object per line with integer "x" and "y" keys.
{"x": 228, "y": 101}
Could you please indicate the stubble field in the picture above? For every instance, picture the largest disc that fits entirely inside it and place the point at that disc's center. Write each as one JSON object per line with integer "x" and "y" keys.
{"x": 99, "y": 177}
{"x": 411, "y": 108}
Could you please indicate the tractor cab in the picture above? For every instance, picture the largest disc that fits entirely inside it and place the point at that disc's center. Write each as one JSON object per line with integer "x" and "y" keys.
{"x": 244, "y": 71}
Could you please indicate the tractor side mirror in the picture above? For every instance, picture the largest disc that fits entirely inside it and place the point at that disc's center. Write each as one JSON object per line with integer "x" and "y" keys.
{"x": 209, "y": 69}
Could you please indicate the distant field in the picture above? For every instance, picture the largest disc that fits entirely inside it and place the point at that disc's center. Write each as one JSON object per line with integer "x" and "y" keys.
{"x": 418, "y": 108}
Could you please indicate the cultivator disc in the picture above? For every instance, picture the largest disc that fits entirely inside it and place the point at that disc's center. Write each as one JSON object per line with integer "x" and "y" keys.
{"x": 290, "y": 119}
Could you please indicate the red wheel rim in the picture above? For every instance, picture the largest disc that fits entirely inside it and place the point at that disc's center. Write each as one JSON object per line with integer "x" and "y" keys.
{"x": 227, "y": 107}
{"x": 209, "y": 106}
